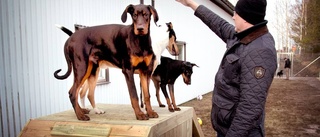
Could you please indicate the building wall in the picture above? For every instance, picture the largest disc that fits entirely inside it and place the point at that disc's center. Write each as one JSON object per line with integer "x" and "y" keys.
{"x": 32, "y": 49}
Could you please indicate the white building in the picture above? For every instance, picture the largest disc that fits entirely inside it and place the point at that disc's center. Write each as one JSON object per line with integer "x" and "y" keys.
{"x": 32, "y": 49}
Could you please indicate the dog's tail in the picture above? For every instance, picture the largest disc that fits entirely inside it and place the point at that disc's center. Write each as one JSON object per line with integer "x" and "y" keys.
{"x": 66, "y": 54}
{"x": 64, "y": 29}
{"x": 69, "y": 60}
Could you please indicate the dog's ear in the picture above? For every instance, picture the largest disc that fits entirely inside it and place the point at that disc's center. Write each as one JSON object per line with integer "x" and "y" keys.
{"x": 130, "y": 10}
{"x": 187, "y": 63}
{"x": 154, "y": 13}
{"x": 194, "y": 65}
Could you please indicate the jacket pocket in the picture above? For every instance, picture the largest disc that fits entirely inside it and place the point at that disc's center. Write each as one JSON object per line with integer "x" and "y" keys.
{"x": 225, "y": 110}
{"x": 231, "y": 68}
{"x": 231, "y": 58}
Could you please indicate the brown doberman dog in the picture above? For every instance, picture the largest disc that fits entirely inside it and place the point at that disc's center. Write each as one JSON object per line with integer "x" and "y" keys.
{"x": 165, "y": 38}
{"x": 127, "y": 47}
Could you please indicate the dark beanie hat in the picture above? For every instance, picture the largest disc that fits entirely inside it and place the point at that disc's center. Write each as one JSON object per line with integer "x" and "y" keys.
{"x": 252, "y": 11}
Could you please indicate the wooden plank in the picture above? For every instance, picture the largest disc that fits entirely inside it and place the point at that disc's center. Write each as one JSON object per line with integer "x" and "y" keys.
{"x": 37, "y": 128}
{"x": 80, "y": 129}
{"x": 176, "y": 118}
{"x": 130, "y": 130}
{"x": 42, "y": 128}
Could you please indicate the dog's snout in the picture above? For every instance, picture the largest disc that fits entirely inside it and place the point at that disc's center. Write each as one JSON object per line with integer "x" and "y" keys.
{"x": 187, "y": 81}
{"x": 140, "y": 28}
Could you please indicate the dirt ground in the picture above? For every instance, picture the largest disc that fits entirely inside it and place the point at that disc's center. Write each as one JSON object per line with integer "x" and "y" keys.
{"x": 292, "y": 109}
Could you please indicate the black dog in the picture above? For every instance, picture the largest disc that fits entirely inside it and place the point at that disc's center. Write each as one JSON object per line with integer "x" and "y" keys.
{"x": 127, "y": 47}
{"x": 166, "y": 74}
{"x": 280, "y": 73}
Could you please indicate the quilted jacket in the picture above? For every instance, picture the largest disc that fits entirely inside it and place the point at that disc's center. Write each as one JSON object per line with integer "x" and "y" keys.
{"x": 244, "y": 77}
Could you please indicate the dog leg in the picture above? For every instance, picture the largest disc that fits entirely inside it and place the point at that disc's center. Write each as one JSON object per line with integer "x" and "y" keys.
{"x": 165, "y": 93}
{"x": 83, "y": 93}
{"x": 157, "y": 86}
{"x": 74, "y": 101}
{"x": 72, "y": 96}
{"x": 141, "y": 96}
{"x": 80, "y": 77}
{"x": 92, "y": 80}
{"x": 141, "y": 101}
{"x": 145, "y": 80}
{"x": 128, "y": 74}
{"x": 171, "y": 91}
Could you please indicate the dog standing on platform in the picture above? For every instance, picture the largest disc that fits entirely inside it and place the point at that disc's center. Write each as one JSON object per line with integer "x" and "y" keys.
{"x": 166, "y": 74}
{"x": 163, "y": 37}
{"x": 127, "y": 47}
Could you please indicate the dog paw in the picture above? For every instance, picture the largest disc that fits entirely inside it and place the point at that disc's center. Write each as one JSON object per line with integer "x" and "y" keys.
{"x": 153, "y": 114}
{"x": 83, "y": 117}
{"x": 161, "y": 105}
{"x": 98, "y": 111}
{"x": 142, "y": 116}
{"x": 171, "y": 109}
{"x": 85, "y": 111}
{"x": 177, "y": 109}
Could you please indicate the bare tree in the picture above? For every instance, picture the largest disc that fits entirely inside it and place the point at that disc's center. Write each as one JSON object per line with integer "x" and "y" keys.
{"x": 282, "y": 24}
{"x": 298, "y": 21}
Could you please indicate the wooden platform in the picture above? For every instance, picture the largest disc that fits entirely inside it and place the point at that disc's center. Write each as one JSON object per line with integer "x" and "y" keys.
{"x": 119, "y": 120}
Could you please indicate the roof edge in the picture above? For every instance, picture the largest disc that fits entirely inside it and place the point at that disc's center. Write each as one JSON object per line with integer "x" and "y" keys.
{"x": 225, "y": 5}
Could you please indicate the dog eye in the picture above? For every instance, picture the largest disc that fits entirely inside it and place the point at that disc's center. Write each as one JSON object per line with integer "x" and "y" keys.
{"x": 146, "y": 16}
{"x": 135, "y": 15}
{"x": 187, "y": 72}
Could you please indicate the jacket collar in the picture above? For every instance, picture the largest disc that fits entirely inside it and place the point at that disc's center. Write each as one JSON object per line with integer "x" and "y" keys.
{"x": 252, "y": 33}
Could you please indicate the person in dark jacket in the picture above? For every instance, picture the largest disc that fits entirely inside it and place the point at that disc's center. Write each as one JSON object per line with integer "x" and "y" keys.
{"x": 246, "y": 70}
{"x": 287, "y": 67}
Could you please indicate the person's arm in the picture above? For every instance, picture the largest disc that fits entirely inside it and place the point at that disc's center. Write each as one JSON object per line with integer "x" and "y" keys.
{"x": 189, "y": 3}
{"x": 218, "y": 25}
